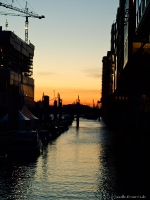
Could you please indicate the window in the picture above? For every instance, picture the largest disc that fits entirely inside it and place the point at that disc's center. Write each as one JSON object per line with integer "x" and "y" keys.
{"x": 143, "y": 5}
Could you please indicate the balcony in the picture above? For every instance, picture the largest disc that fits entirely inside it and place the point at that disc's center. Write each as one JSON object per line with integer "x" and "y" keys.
{"x": 143, "y": 29}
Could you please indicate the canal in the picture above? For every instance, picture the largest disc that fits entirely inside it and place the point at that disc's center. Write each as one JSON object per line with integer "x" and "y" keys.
{"x": 88, "y": 163}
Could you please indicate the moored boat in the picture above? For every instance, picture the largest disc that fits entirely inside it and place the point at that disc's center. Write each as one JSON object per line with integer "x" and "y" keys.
{"x": 44, "y": 135}
{"x": 26, "y": 143}
{"x": 3, "y": 157}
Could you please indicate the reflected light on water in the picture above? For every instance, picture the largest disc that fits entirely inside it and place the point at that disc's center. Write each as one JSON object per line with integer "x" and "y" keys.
{"x": 80, "y": 164}
{"x": 70, "y": 168}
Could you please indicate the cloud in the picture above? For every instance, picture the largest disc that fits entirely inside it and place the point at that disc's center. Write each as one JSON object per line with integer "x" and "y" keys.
{"x": 45, "y": 73}
{"x": 92, "y": 72}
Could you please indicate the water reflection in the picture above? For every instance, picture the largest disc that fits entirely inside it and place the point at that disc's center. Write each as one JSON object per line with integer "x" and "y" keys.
{"x": 125, "y": 167}
{"x": 15, "y": 179}
{"x": 88, "y": 163}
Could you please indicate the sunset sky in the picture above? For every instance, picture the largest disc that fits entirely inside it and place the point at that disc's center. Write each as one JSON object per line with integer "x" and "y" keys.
{"x": 69, "y": 45}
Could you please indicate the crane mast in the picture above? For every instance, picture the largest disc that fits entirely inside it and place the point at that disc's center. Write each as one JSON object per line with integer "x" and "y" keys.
{"x": 26, "y": 29}
{"x": 26, "y": 25}
{"x": 25, "y": 14}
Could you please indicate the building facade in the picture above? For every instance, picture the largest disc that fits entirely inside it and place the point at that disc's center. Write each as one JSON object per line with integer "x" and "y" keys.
{"x": 130, "y": 48}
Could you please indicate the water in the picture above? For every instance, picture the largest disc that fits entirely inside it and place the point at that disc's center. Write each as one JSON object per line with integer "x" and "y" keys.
{"x": 81, "y": 164}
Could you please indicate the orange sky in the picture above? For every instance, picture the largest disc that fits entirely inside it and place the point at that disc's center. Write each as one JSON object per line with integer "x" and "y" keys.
{"x": 69, "y": 95}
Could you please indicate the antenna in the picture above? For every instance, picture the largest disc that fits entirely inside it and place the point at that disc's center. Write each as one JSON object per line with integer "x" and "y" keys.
{"x": 12, "y": 2}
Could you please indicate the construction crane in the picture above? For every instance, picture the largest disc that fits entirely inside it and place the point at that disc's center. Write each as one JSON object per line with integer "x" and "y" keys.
{"x": 25, "y": 14}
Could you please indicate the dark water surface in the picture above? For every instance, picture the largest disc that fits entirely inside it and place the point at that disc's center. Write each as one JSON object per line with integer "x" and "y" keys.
{"x": 88, "y": 163}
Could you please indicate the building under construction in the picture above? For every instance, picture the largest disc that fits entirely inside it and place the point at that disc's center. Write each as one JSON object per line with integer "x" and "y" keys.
{"x": 16, "y": 69}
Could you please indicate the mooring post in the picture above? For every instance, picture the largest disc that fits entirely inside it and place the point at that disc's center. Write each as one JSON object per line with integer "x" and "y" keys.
{"x": 55, "y": 110}
{"x": 46, "y": 108}
{"x": 60, "y": 110}
{"x": 78, "y": 111}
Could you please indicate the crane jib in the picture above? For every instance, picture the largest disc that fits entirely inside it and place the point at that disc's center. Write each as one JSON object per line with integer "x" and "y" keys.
{"x": 31, "y": 14}
{"x": 26, "y": 14}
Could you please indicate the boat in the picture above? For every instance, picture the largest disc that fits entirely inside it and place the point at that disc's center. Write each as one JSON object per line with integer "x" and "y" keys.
{"x": 44, "y": 136}
{"x": 26, "y": 143}
{"x": 3, "y": 157}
